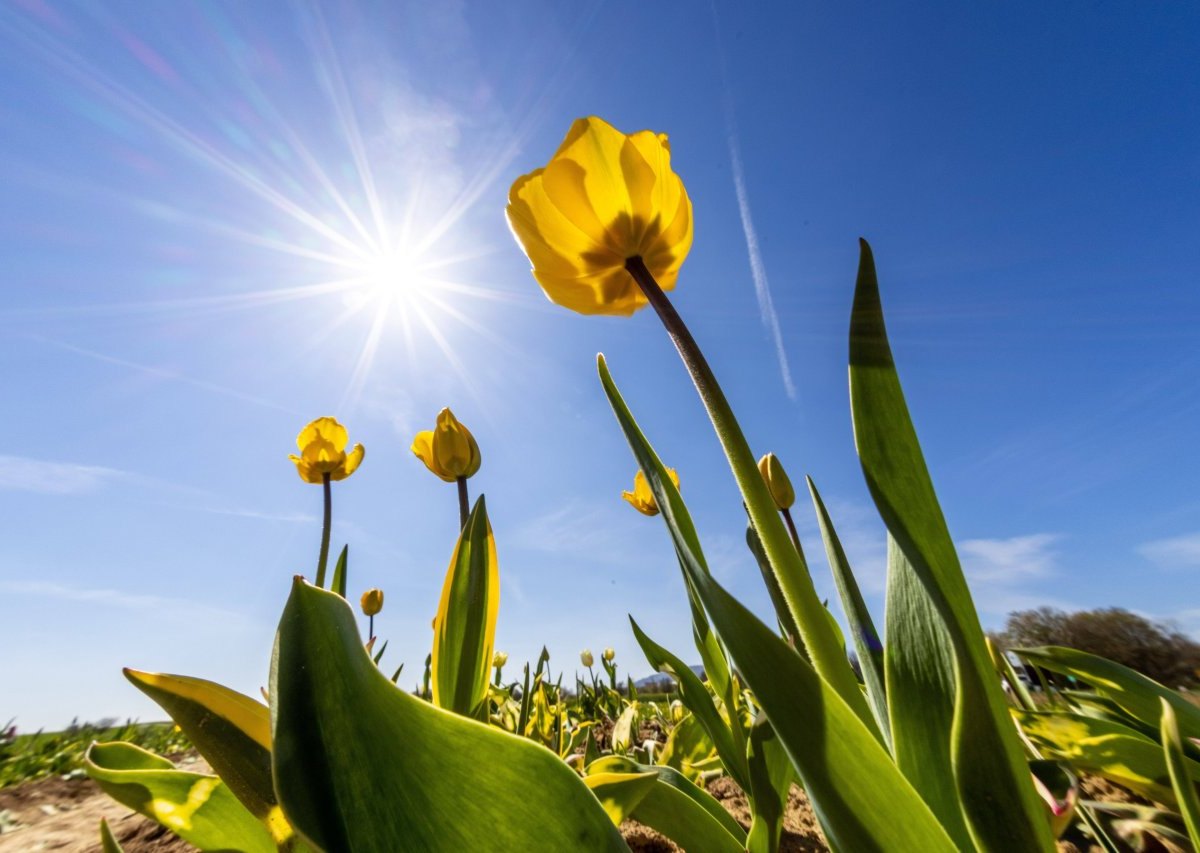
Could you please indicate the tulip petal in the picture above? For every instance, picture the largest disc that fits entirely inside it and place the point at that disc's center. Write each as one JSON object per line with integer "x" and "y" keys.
{"x": 353, "y": 459}
{"x": 326, "y": 430}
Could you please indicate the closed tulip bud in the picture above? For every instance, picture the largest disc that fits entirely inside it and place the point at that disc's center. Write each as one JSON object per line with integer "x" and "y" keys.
{"x": 641, "y": 498}
{"x": 449, "y": 450}
{"x": 372, "y": 602}
{"x": 585, "y": 658}
{"x": 323, "y": 452}
{"x": 499, "y": 659}
{"x": 609, "y": 655}
{"x": 777, "y": 481}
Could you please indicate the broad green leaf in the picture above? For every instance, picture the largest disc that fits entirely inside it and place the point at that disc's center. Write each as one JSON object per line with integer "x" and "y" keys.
{"x": 996, "y": 791}
{"x": 620, "y": 793}
{"x": 231, "y": 731}
{"x": 1182, "y": 772}
{"x": 771, "y": 778}
{"x": 339, "y": 572}
{"x": 862, "y": 628}
{"x": 108, "y": 842}
{"x": 1104, "y": 748}
{"x": 680, "y": 810}
{"x": 919, "y": 666}
{"x": 822, "y": 645}
{"x": 196, "y": 807}
{"x": 697, "y": 699}
{"x": 687, "y": 745}
{"x": 361, "y": 765}
{"x": 1135, "y": 693}
{"x": 465, "y": 626}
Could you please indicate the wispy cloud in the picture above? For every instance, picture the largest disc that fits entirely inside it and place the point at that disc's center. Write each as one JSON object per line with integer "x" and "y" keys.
{"x": 1009, "y": 561}
{"x": 1176, "y": 552}
{"x": 19, "y": 473}
{"x": 582, "y": 531}
{"x": 758, "y": 270}
{"x": 141, "y": 602}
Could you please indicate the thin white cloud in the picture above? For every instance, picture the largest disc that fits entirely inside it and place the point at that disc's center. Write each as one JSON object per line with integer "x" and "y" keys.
{"x": 1176, "y": 552}
{"x": 1008, "y": 561}
{"x": 22, "y": 474}
{"x": 582, "y": 531}
{"x": 141, "y": 602}
{"x": 762, "y": 288}
{"x": 758, "y": 271}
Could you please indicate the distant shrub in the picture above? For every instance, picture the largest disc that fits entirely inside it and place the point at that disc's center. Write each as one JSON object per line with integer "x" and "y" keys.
{"x": 1157, "y": 650}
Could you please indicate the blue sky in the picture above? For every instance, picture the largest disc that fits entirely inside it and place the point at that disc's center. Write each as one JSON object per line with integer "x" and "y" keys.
{"x": 194, "y": 196}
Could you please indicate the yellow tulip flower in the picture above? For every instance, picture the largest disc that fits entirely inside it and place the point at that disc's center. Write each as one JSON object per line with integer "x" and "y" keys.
{"x": 323, "y": 451}
{"x": 372, "y": 602}
{"x": 604, "y": 197}
{"x": 449, "y": 450}
{"x": 585, "y": 658}
{"x": 778, "y": 483}
{"x": 499, "y": 659}
{"x": 641, "y": 498}
{"x": 609, "y": 655}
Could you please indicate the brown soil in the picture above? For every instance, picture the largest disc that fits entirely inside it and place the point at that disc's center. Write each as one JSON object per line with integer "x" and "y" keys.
{"x": 63, "y": 814}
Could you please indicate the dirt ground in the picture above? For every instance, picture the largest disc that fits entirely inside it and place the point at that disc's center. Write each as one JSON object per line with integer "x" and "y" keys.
{"x": 63, "y": 814}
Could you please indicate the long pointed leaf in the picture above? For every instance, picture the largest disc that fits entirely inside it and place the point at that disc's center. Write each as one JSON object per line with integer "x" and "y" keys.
{"x": 465, "y": 626}
{"x": 361, "y": 765}
{"x": 812, "y": 619}
{"x": 1003, "y": 810}
{"x": 697, "y": 700}
{"x": 1182, "y": 782}
{"x": 862, "y": 628}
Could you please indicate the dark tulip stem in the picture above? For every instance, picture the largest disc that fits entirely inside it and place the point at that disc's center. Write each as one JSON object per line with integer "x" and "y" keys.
{"x": 323, "y": 559}
{"x": 464, "y": 505}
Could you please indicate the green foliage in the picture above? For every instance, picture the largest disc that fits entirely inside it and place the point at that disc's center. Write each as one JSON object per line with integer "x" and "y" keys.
{"x": 27, "y": 757}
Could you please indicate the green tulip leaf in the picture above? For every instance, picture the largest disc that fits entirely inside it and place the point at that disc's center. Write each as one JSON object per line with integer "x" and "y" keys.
{"x": 771, "y": 778}
{"x": 863, "y": 801}
{"x": 620, "y": 793}
{"x": 674, "y": 806}
{"x": 812, "y": 618}
{"x": 465, "y": 627}
{"x": 198, "y": 808}
{"x": 108, "y": 841}
{"x": 996, "y": 791}
{"x": 697, "y": 699}
{"x": 919, "y": 668}
{"x": 1136, "y": 694}
{"x": 1182, "y": 772}
{"x": 361, "y": 765}
{"x": 1106, "y": 749}
{"x": 687, "y": 745}
{"x": 231, "y": 731}
{"x": 339, "y": 572}
{"x": 862, "y": 628}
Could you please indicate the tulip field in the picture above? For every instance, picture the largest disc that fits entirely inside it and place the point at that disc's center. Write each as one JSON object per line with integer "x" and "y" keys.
{"x": 932, "y": 739}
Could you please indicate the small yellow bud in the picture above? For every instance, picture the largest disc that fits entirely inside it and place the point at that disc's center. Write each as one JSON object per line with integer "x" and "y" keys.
{"x": 499, "y": 659}
{"x": 323, "y": 451}
{"x": 372, "y": 602}
{"x": 449, "y": 450}
{"x": 609, "y": 655}
{"x": 585, "y": 658}
{"x": 641, "y": 498}
{"x": 777, "y": 481}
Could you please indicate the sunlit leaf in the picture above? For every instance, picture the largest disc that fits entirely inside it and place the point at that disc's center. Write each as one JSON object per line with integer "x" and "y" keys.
{"x": 465, "y": 627}
{"x": 196, "y": 807}
{"x": 361, "y": 765}
{"x": 996, "y": 791}
{"x": 1182, "y": 772}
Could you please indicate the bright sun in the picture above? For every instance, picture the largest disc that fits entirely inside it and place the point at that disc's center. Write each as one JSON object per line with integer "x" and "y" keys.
{"x": 393, "y": 276}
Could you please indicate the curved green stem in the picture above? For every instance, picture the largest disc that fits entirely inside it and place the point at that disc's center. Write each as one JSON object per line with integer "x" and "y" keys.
{"x": 323, "y": 559}
{"x": 823, "y": 647}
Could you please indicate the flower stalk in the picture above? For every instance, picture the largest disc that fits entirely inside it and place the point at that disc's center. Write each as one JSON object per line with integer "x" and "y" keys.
{"x": 327, "y": 521}
{"x": 794, "y": 581}
{"x": 464, "y": 505}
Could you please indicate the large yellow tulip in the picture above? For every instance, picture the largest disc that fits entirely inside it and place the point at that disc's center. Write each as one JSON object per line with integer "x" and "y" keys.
{"x": 604, "y": 198}
{"x": 323, "y": 451}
